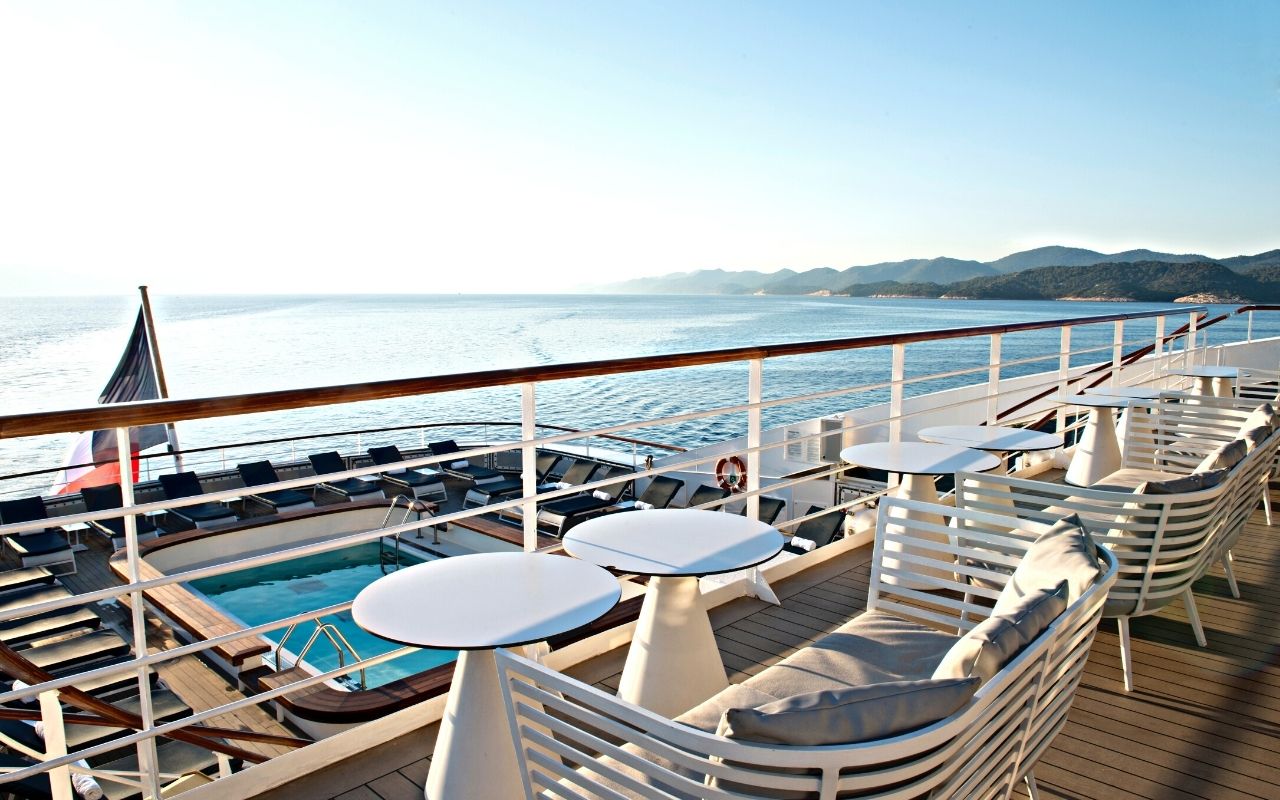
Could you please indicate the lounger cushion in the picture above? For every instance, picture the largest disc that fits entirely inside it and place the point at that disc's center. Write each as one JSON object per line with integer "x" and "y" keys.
{"x": 847, "y": 716}
{"x": 1227, "y": 456}
{"x": 873, "y": 648}
{"x": 203, "y": 512}
{"x": 706, "y": 716}
{"x": 1126, "y": 480}
{"x": 981, "y": 652}
{"x": 39, "y": 543}
{"x": 1064, "y": 552}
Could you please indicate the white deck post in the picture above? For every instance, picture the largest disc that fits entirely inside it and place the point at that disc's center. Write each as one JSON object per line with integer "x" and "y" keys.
{"x": 993, "y": 380}
{"x": 755, "y": 391}
{"x": 529, "y": 465}
{"x": 55, "y": 744}
{"x": 1117, "y": 352}
{"x": 897, "y": 371}
{"x": 148, "y": 761}
{"x": 1064, "y": 373}
{"x": 1188, "y": 357}
{"x": 1159, "y": 343}
{"x": 1249, "y": 331}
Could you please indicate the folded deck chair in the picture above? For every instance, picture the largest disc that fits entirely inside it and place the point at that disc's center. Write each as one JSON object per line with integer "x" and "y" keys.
{"x": 770, "y": 509}
{"x": 706, "y": 493}
{"x": 408, "y": 481}
{"x": 350, "y": 488}
{"x": 106, "y": 498}
{"x": 565, "y": 512}
{"x": 201, "y": 515}
{"x": 40, "y": 547}
{"x": 658, "y": 494}
{"x": 461, "y": 468}
{"x": 821, "y": 530}
{"x": 579, "y": 472}
{"x": 483, "y": 495}
{"x": 261, "y": 473}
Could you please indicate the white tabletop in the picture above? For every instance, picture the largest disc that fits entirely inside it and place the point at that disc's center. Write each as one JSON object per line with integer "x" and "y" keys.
{"x": 1135, "y": 392}
{"x": 1208, "y": 371}
{"x": 485, "y": 600}
{"x": 991, "y": 437}
{"x": 919, "y": 458}
{"x": 674, "y": 542}
{"x": 1096, "y": 400}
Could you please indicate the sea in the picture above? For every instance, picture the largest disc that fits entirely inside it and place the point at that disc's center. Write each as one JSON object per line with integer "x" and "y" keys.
{"x": 58, "y": 352}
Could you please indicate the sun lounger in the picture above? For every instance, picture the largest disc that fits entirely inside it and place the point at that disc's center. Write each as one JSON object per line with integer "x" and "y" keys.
{"x": 40, "y": 547}
{"x": 487, "y": 493}
{"x": 261, "y": 473}
{"x": 350, "y": 488}
{"x": 176, "y": 758}
{"x": 20, "y": 631}
{"x": 30, "y": 596}
{"x": 770, "y": 509}
{"x": 201, "y": 515}
{"x": 821, "y": 530}
{"x": 562, "y": 514}
{"x": 658, "y": 494}
{"x": 462, "y": 468}
{"x": 408, "y": 481}
{"x": 165, "y": 706}
{"x": 24, "y": 577}
{"x": 707, "y": 493}
{"x": 579, "y": 472}
{"x": 106, "y": 498}
{"x": 77, "y": 651}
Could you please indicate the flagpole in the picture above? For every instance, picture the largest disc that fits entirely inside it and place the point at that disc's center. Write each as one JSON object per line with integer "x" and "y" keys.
{"x": 160, "y": 381}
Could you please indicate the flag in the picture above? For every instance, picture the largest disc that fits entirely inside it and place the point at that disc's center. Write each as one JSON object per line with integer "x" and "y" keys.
{"x": 134, "y": 379}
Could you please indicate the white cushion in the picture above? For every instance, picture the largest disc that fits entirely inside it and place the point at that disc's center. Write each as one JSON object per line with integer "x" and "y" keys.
{"x": 1064, "y": 552}
{"x": 1226, "y": 456}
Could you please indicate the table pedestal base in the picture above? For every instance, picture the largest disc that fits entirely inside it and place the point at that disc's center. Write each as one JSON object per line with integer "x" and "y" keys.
{"x": 474, "y": 756}
{"x": 673, "y": 663}
{"x": 922, "y": 489}
{"x": 1098, "y": 452}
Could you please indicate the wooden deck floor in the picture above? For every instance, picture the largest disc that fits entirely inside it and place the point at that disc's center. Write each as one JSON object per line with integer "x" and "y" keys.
{"x": 1202, "y": 723}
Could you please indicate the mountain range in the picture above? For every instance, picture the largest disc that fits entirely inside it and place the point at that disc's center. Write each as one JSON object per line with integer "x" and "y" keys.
{"x": 940, "y": 271}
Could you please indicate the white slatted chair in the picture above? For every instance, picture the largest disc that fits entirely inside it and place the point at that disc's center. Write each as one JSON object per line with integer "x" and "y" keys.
{"x": 576, "y": 741}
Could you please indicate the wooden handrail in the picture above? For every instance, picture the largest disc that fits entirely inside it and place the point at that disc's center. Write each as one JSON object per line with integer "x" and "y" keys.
{"x": 154, "y": 412}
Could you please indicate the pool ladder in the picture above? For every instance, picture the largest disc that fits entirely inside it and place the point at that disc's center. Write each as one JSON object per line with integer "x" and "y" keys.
{"x": 392, "y": 558}
{"x": 330, "y": 631}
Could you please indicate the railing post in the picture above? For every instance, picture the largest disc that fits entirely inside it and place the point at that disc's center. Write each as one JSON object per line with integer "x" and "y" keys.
{"x": 1157, "y": 351}
{"x": 1064, "y": 373}
{"x": 529, "y": 465}
{"x": 148, "y": 762}
{"x": 1188, "y": 358}
{"x": 55, "y": 744}
{"x": 755, "y": 392}
{"x": 897, "y": 371}
{"x": 1249, "y": 333}
{"x": 993, "y": 380}
{"x": 1117, "y": 352}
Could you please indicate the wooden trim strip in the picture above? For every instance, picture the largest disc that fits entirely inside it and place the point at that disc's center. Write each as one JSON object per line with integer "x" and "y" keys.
{"x": 154, "y": 412}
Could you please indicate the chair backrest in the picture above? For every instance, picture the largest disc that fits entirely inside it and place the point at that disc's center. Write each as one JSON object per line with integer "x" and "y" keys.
{"x": 326, "y": 463}
{"x": 543, "y": 464}
{"x": 24, "y": 509}
{"x": 661, "y": 491}
{"x": 180, "y": 484}
{"x": 257, "y": 473}
{"x": 706, "y": 493}
{"x": 982, "y": 750}
{"x": 443, "y": 448}
{"x": 770, "y": 509}
{"x": 1174, "y": 435}
{"x": 580, "y": 472}
{"x": 821, "y": 530}
{"x": 387, "y": 454}
{"x": 102, "y": 498}
{"x": 618, "y": 488}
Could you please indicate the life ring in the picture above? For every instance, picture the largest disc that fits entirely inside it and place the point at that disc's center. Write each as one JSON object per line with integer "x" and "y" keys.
{"x": 731, "y": 474}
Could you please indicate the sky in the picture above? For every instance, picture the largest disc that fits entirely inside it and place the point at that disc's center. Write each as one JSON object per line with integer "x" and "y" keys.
{"x": 286, "y": 147}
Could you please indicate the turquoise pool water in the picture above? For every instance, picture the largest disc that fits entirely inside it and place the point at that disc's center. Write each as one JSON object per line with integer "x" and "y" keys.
{"x": 263, "y": 594}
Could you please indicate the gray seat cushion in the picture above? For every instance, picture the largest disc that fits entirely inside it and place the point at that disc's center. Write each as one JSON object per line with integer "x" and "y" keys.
{"x": 1226, "y": 456}
{"x": 846, "y": 716}
{"x": 1064, "y": 552}
{"x": 993, "y": 643}
{"x": 1126, "y": 480}
{"x": 873, "y": 648}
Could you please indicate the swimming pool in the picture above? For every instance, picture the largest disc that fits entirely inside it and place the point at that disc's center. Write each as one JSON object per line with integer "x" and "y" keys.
{"x": 263, "y": 594}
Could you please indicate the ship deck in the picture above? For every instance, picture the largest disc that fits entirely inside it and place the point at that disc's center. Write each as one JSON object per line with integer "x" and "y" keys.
{"x": 1201, "y": 723}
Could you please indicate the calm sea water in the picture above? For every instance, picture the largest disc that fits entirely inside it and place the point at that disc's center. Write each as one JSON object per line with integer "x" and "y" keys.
{"x": 58, "y": 353}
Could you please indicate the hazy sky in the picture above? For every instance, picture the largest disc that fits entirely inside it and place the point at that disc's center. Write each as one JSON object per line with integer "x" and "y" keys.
{"x": 489, "y": 147}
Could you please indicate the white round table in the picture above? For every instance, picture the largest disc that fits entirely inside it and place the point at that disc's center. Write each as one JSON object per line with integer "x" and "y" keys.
{"x": 474, "y": 604}
{"x": 1124, "y": 426}
{"x": 673, "y": 662}
{"x": 1212, "y": 381}
{"x": 1098, "y": 451}
{"x": 991, "y": 438}
{"x": 918, "y": 463}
